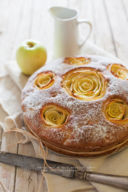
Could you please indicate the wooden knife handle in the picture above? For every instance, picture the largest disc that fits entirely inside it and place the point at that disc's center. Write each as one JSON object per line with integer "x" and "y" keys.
{"x": 113, "y": 180}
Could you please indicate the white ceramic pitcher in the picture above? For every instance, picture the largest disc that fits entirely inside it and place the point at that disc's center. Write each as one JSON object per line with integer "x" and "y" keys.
{"x": 66, "y": 37}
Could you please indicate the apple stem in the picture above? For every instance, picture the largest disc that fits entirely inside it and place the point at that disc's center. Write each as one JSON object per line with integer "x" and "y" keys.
{"x": 30, "y": 44}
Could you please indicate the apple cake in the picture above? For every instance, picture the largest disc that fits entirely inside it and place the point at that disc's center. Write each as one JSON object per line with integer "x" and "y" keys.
{"x": 78, "y": 105}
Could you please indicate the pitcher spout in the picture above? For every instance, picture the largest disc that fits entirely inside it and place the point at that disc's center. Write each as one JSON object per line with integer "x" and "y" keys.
{"x": 62, "y": 12}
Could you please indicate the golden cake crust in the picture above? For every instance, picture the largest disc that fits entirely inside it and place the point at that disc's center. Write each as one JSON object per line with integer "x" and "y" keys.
{"x": 82, "y": 126}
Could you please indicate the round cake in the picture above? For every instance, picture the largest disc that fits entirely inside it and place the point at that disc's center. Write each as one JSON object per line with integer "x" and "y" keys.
{"x": 78, "y": 105}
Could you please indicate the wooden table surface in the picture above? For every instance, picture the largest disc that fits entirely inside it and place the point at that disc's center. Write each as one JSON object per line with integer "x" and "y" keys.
{"x": 29, "y": 19}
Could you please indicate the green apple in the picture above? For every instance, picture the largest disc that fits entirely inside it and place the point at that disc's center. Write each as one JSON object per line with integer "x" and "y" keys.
{"x": 30, "y": 56}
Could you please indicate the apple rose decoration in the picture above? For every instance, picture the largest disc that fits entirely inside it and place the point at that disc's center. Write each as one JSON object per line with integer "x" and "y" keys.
{"x": 85, "y": 84}
{"x": 77, "y": 60}
{"x": 116, "y": 110}
{"x": 44, "y": 80}
{"x": 54, "y": 115}
{"x": 118, "y": 71}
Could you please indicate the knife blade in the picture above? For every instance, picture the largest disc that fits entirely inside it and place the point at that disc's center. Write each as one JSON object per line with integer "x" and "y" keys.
{"x": 63, "y": 169}
{"x": 37, "y": 164}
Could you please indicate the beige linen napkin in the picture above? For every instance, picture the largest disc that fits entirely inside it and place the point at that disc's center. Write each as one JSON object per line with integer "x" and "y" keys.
{"x": 11, "y": 85}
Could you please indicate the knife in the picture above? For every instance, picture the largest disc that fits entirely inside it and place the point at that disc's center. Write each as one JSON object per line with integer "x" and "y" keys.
{"x": 63, "y": 169}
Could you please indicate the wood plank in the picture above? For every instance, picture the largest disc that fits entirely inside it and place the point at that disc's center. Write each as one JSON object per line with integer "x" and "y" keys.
{"x": 125, "y": 7}
{"x": 118, "y": 23}
{"x": 102, "y": 31}
{"x": 23, "y": 25}
{"x": 7, "y": 173}
{"x": 26, "y": 180}
{"x": 12, "y": 23}
{"x": 3, "y": 28}
{"x": 93, "y": 10}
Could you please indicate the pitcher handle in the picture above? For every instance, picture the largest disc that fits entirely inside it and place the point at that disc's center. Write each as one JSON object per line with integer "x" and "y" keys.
{"x": 89, "y": 33}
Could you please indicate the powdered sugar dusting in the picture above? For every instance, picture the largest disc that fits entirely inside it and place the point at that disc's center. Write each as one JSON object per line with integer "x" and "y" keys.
{"x": 87, "y": 122}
